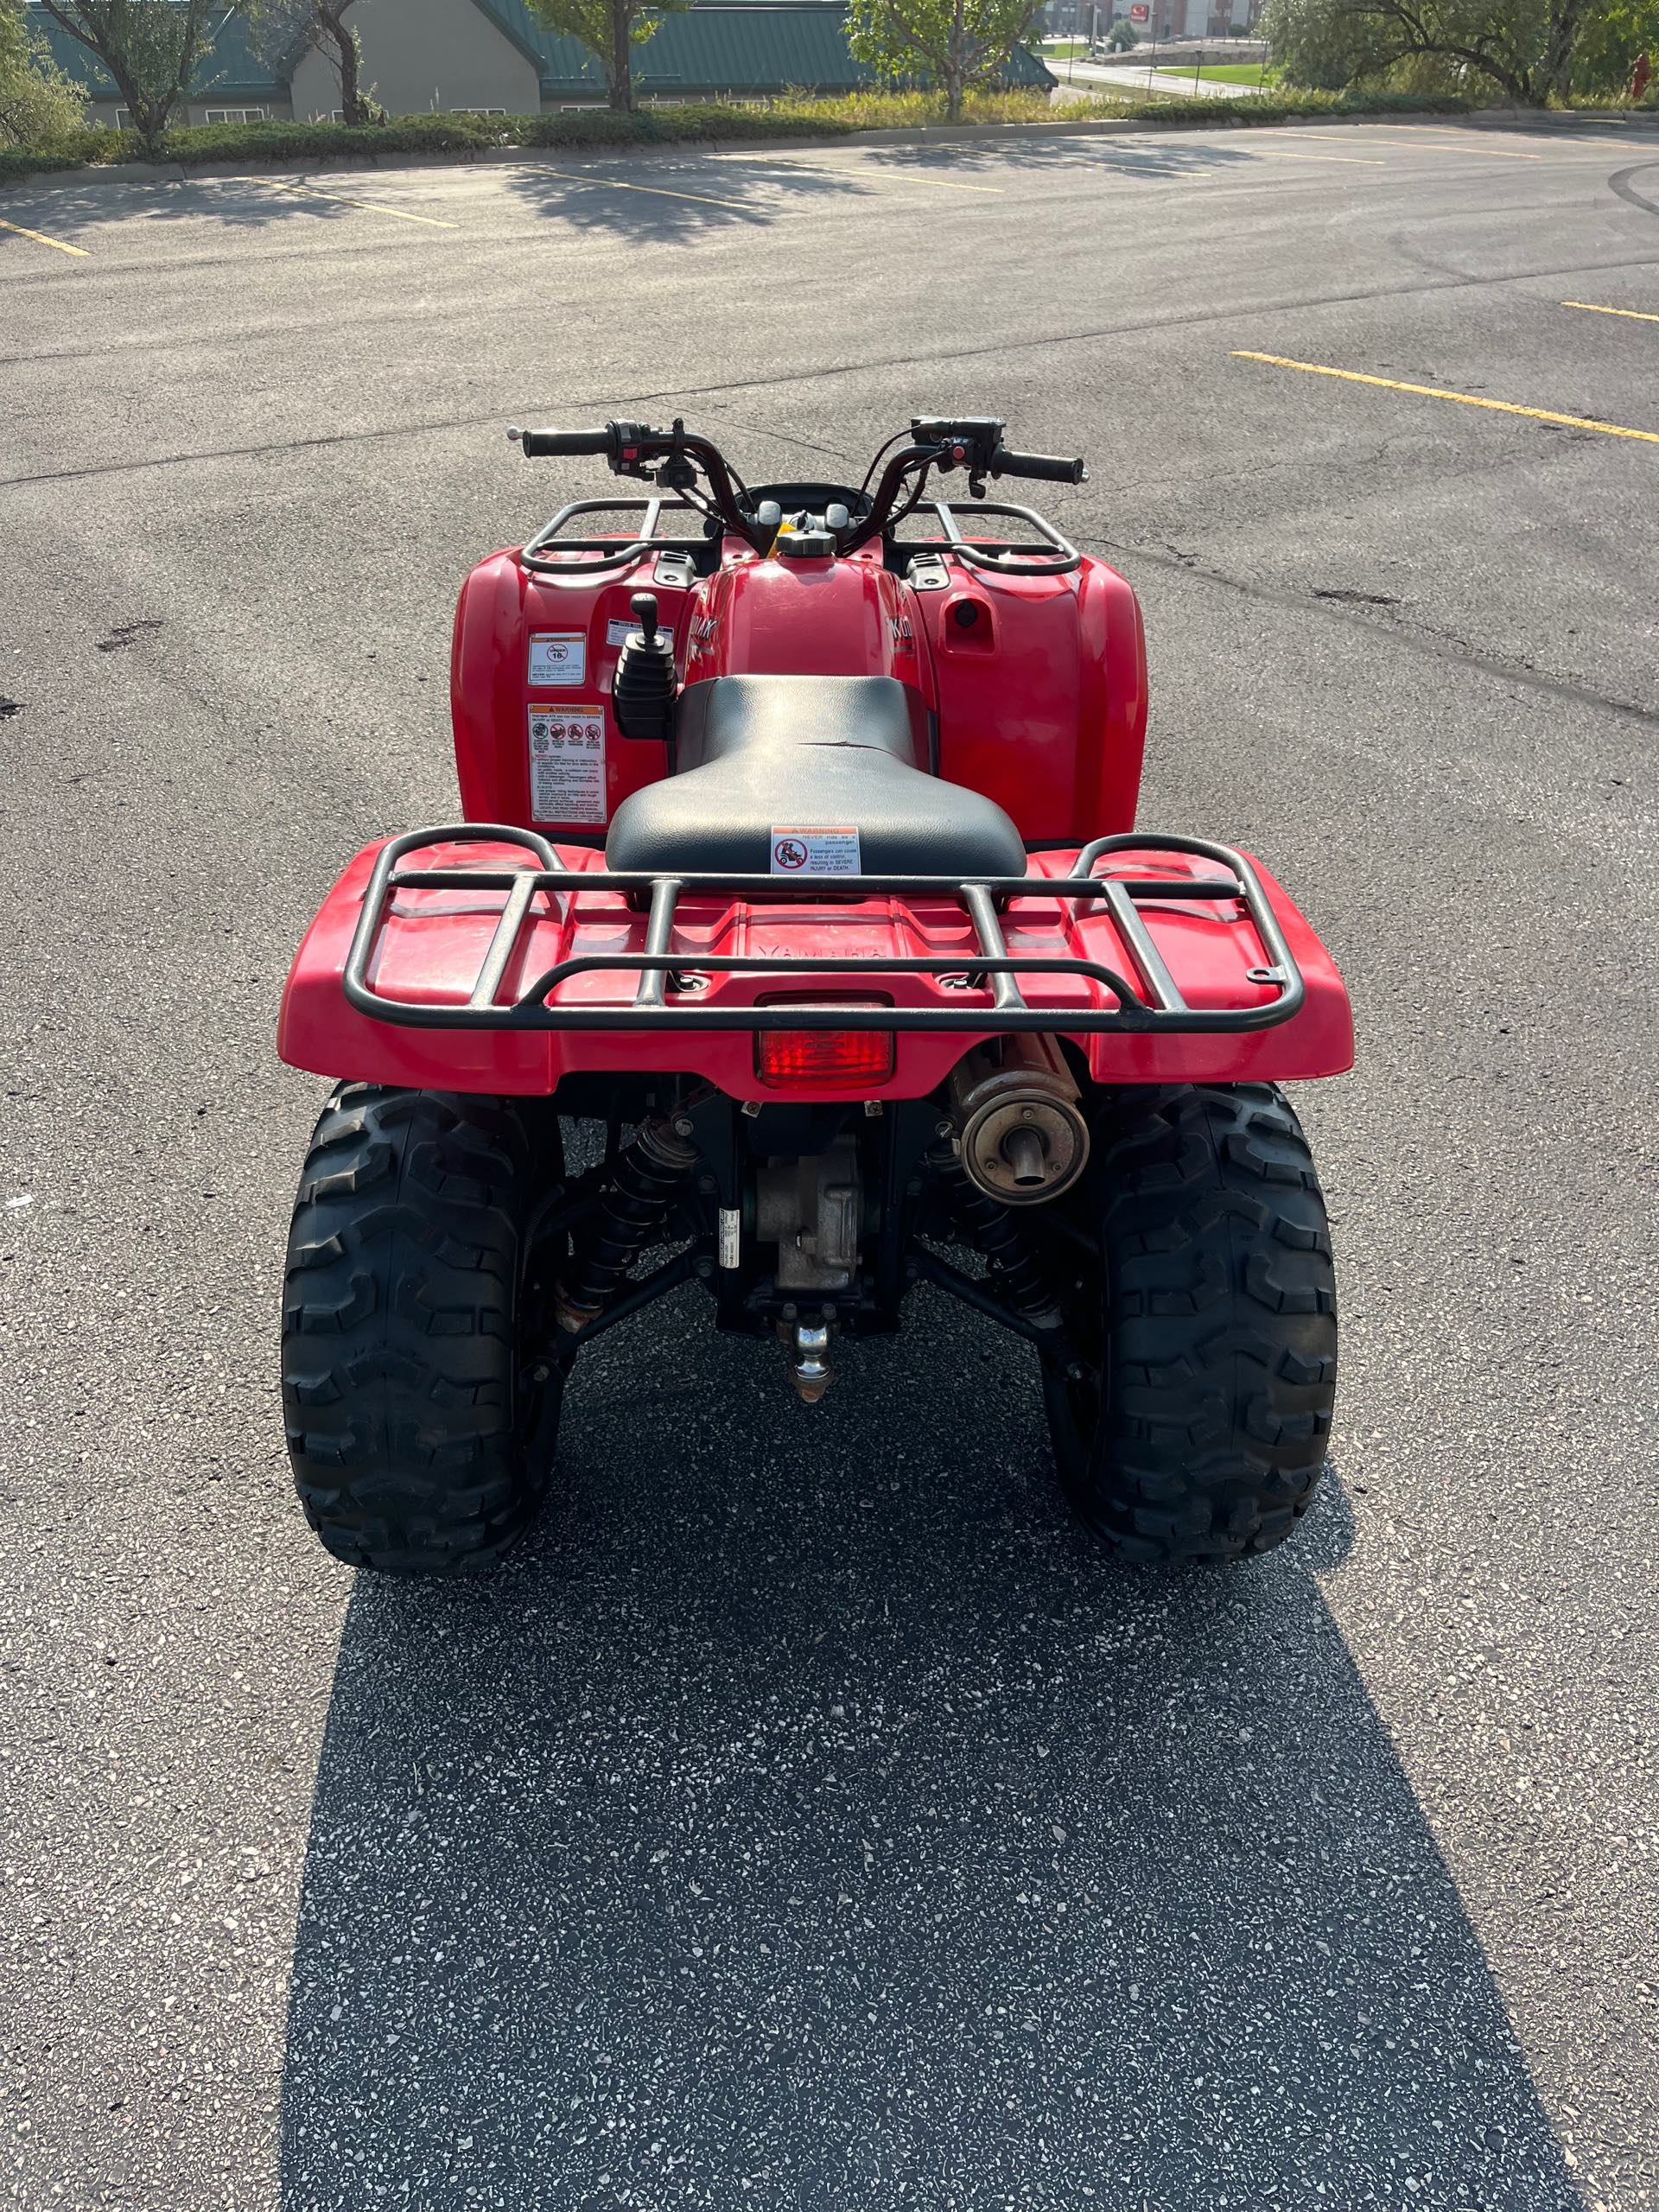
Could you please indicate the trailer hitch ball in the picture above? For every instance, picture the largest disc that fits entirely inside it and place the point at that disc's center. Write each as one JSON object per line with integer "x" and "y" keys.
{"x": 807, "y": 1345}
{"x": 1019, "y": 1116}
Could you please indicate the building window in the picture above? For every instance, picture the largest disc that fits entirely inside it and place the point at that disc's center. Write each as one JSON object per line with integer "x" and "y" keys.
{"x": 235, "y": 115}
{"x": 478, "y": 111}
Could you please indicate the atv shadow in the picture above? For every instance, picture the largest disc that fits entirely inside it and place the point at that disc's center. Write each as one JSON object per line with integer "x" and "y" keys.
{"x": 810, "y": 1820}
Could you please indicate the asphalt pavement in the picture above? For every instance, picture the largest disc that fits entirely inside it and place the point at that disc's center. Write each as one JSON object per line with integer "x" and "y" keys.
{"x": 806, "y": 1818}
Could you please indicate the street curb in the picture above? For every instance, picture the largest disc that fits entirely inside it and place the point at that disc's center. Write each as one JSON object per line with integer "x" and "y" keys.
{"x": 923, "y": 134}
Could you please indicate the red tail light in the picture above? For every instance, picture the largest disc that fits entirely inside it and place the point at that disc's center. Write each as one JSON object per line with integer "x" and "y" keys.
{"x": 808, "y": 1060}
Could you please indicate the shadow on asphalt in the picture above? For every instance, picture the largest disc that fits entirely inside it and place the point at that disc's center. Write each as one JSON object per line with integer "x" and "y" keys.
{"x": 64, "y": 210}
{"x": 810, "y": 1820}
{"x": 670, "y": 201}
{"x": 1148, "y": 157}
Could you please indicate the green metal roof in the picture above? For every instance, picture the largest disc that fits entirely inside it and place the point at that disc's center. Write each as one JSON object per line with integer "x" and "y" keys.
{"x": 234, "y": 67}
{"x": 734, "y": 45}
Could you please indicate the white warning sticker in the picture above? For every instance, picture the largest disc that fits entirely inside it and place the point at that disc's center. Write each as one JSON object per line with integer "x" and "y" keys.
{"x": 814, "y": 852}
{"x": 617, "y": 631}
{"x": 567, "y": 764}
{"x": 558, "y": 660}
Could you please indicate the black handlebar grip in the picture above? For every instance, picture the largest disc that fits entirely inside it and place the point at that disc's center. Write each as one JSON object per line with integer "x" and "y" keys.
{"x": 538, "y": 444}
{"x": 1046, "y": 468}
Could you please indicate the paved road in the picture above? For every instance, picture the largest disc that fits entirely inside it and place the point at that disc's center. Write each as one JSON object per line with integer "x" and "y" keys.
{"x": 806, "y": 1819}
{"x": 1080, "y": 78}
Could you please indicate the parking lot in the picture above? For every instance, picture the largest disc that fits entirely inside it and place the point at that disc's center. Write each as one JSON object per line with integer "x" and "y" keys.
{"x": 806, "y": 1818}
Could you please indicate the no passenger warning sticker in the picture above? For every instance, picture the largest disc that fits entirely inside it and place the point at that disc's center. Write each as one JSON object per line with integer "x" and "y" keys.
{"x": 814, "y": 852}
{"x": 567, "y": 764}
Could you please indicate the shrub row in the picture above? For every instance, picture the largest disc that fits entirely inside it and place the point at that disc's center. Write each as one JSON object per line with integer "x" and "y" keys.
{"x": 794, "y": 117}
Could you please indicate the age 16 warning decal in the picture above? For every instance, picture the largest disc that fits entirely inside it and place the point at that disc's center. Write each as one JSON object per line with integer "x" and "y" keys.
{"x": 567, "y": 764}
{"x": 558, "y": 660}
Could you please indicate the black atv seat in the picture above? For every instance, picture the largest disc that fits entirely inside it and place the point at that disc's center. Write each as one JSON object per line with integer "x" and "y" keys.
{"x": 762, "y": 754}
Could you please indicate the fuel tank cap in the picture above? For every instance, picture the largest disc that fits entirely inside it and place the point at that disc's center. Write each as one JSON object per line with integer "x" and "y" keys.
{"x": 805, "y": 544}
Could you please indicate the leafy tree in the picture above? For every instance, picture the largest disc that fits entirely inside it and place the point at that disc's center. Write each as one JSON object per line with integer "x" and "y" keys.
{"x": 1527, "y": 49}
{"x": 152, "y": 48}
{"x": 1613, "y": 42}
{"x": 610, "y": 29}
{"x": 959, "y": 44}
{"x": 38, "y": 104}
{"x": 284, "y": 27}
{"x": 1122, "y": 37}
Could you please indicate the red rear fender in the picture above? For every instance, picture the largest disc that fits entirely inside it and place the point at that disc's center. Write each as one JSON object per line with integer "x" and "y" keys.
{"x": 434, "y": 940}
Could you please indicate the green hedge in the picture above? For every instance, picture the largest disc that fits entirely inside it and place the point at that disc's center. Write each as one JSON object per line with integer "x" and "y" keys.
{"x": 791, "y": 117}
{"x": 1280, "y": 106}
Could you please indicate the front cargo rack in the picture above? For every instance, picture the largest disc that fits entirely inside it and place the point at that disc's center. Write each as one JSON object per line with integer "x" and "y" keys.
{"x": 1154, "y": 1003}
{"x": 1052, "y": 555}
{"x": 543, "y": 554}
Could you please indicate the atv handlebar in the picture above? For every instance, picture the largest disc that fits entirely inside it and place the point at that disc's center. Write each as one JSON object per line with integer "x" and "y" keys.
{"x": 945, "y": 442}
{"x": 538, "y": 445}
{"x": 1046, "y": 468}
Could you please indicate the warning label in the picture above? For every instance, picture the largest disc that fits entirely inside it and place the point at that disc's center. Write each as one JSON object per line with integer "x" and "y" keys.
{"x": 814, "y": 852}
{"x": 567, "y": 764}
{"x": 558, "y": 660}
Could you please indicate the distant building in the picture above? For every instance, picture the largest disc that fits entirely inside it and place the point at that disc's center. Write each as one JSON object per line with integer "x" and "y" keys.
{"x": 495, "y": 57}
{"x": 1153, "y": 19}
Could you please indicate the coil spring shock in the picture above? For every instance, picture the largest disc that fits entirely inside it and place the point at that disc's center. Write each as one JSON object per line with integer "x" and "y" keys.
{"x": 1005, "y": 1239}
{"x": 650, "y": 1170}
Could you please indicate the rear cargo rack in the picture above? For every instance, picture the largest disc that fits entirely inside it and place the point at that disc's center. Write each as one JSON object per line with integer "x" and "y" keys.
{"x": 1151, "y": 1003}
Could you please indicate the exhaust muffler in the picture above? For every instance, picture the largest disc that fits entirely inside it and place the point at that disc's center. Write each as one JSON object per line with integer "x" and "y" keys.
{"x": 1019, "y": 1116}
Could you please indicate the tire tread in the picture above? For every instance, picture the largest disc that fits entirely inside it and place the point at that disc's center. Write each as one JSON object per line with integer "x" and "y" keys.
{"x": 400, "y": 1330}
{"x": 1219, "y": 1329}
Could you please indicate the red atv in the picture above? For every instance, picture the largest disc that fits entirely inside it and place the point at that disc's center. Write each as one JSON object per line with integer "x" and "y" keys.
{"x": 799, "y": 861}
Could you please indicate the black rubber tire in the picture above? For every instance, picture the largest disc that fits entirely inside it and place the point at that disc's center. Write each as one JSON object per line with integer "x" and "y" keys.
{"x": 1198, "y": 1429}
{"x": 421, "y": 1438}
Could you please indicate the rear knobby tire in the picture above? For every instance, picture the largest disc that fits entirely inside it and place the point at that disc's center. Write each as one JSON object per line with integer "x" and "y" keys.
{"x": 420, "y": 1433}
{"x": 1198, "y": 1429}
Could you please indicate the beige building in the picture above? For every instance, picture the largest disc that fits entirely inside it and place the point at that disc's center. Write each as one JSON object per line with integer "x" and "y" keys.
{"x": 422, "y": 56}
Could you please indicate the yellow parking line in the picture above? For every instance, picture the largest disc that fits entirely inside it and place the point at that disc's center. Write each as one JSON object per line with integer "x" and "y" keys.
{"x": 886, "y": 176}
{"x": 1435, "y": 145}
{"x": 1463, "y": 398}
{"x": 938, "y": 183}
{"x": 658, "y": 191}
{"x": 1586, "y": 307}
{"x": 1344, "y": 161}
{"x": 374, "y": 207}
{"x": 41, "y": 238}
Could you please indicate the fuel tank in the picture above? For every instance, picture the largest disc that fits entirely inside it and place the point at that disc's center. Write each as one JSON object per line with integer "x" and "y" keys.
{"x": 824, "y": 617}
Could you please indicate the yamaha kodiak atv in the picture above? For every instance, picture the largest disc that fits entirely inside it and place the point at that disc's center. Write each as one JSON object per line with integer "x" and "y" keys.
{"x": 799, "y": 857}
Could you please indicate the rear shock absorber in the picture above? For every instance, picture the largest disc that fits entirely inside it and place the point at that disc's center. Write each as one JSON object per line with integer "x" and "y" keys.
{"x": 650, "y": 1171}
{"x": 1004, "y": 1237}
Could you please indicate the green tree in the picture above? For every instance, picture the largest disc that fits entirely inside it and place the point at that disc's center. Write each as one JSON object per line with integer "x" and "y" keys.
{"x": 959, "y": 45}
{"x": 152, "y": 48}
{"x": 38, "y": 104}
{"x": 610, "y": 29}
{"x": 1605, "y": 57}
{"x": 285, "y": 27}
{"x": 1526, "y": 48}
